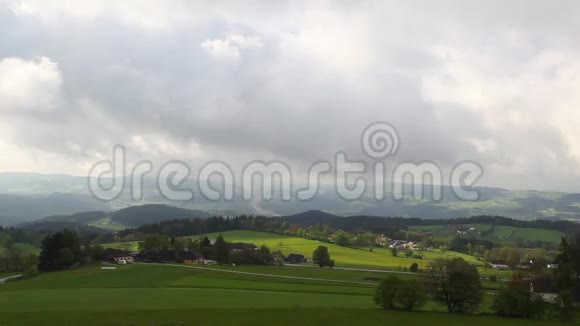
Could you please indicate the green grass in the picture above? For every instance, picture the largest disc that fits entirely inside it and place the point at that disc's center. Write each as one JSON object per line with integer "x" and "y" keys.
{"x": 343, "y": 256}
{"x": 25, "y": 247}
{"x": 526, "y": 234}
{"x": 501, "y": 234}
{"x": 107, "y": 224}
{"x": 379, "y": 258}
{"x": 297, "y": 315}
{"x": 167, "y": 295}
{"x": 28, "y": 248}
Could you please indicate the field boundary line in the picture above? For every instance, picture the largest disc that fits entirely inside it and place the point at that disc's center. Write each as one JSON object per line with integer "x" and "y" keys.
{"x": 259, "y": 274}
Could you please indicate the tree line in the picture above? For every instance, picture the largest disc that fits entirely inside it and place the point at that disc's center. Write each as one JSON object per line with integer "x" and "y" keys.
{"x": 456, "y": 284}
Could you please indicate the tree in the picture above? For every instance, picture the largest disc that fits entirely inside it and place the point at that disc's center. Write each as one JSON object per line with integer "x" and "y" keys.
{"x": 414, "y": 268}
{"x": 568, "y": 272}
{"x": 393, "y": 293}
{"x": 455, "y": 283}
{"x": 514, "y": 258}
{"x": 341, "y": 238}
{"x": 155, "y": 241}
{"x": 409, "y": 252}
{"x": 59, "y": 251}
{"x": 204, "y": 242}
{"x": 278, "y": 258}
{"x": 394, "y": 251}
{"x": 515, "y": 300}
{"x": 221, "y": 250}
{"x": 265, "y": 256}
{"x": 96, "y": 252}
{"x": 321, "y": 257}
{"x": 15, "y": 260}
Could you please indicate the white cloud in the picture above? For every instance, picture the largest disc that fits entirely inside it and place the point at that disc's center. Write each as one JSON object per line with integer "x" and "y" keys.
{"x": 493, "y": 83}
{"x": 222, "y": 50}
{"x": 229, "y": 49}
{"x": 29, "y": 84}
{"x": 246, "y": 41}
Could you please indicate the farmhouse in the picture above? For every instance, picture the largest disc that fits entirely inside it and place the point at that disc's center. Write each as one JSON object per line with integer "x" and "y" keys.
{"x": 118, "y": 256}
{"x": 403, "y": 245}
{"x": 169, "y": 256}
{"x": 545, "y": 288}
{"x": 295, "y": 259}
{"x": 241, "y": 246}
{"x": 527, "y": 264}
{"x": 189, "y": 257}
{"x": 499, "y": 264}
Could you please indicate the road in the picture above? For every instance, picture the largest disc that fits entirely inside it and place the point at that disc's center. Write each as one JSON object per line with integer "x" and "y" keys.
{"x": 355, "y": 269}
{"x": 260, "y": 274}
{"x": 2, "y": 280}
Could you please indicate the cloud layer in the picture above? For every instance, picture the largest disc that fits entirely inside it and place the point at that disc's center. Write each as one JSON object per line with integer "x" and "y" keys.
{"x": 495, "y": 82}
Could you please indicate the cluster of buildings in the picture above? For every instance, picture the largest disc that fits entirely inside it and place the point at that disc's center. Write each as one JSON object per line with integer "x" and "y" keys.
{"x": 504, "y": 265}
{"x": 403, "y": 245}
{"x": 122, "y": 257}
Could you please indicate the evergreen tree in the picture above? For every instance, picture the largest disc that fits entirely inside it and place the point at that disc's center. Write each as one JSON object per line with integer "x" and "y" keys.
{"x": 221, "y": 250}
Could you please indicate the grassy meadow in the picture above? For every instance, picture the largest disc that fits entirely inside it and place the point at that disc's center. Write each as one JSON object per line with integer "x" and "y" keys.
{"x": 343, "y": 256}
{"x": 175, "y": 295}
{"x": 501, "y": 234}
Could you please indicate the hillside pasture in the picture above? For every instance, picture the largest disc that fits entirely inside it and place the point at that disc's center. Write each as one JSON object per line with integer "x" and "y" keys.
{"x": 175, "y": 295}
{"x": 343, "y": 256}
{"x": 499, "y": 233}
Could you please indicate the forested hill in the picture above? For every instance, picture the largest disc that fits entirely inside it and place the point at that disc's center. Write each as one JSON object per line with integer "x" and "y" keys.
{"x": 125, "y": 218}
{"x": 16, "y": 209}
{"x": 382, "y": 224}
{"x": 33, "y": 196}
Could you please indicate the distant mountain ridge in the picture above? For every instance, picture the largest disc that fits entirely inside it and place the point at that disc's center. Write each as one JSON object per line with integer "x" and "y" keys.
{"x": 128, "y": 217}
{"x": 524, "y": 205}
{"x": 16, "y": 209}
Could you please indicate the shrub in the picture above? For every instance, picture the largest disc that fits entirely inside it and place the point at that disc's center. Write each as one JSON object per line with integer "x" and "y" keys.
{"x": 493, "y": 278}
{"x": 414, "y": 268}
{"x": 514, "y": 302}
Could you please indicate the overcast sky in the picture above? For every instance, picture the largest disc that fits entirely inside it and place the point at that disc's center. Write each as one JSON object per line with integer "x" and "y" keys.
{"x": 497, "y": 82}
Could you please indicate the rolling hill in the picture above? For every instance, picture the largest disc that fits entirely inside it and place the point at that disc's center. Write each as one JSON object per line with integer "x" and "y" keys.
{"x": 124, "y": 218}
{"x": 16, "y": 209}
{"x": 520, "y": 204}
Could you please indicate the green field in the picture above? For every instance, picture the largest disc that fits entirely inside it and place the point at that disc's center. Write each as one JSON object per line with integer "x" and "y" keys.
{"x": 501, "y": 234}
{"x": 343, "y": 256}
{"x": 107, "y": 224}
{"x": 177, "y": 295}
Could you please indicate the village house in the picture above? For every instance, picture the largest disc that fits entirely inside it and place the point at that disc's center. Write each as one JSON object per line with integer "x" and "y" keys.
{"x": 241, "y": 246}
{"x": 527, "y": 264}
{"x": 295, "y": 259}
{"x": 403, "y": 245}
{"x": 546, "y": 289}
{"x": 499, "y": 264}
{"x": 118, "y": 256}
{"x": 169, "y": 256}
{"x": 189, "y": 257}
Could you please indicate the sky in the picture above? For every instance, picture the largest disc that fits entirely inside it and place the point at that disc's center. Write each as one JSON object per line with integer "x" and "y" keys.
{"x": 495, "y": 82}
